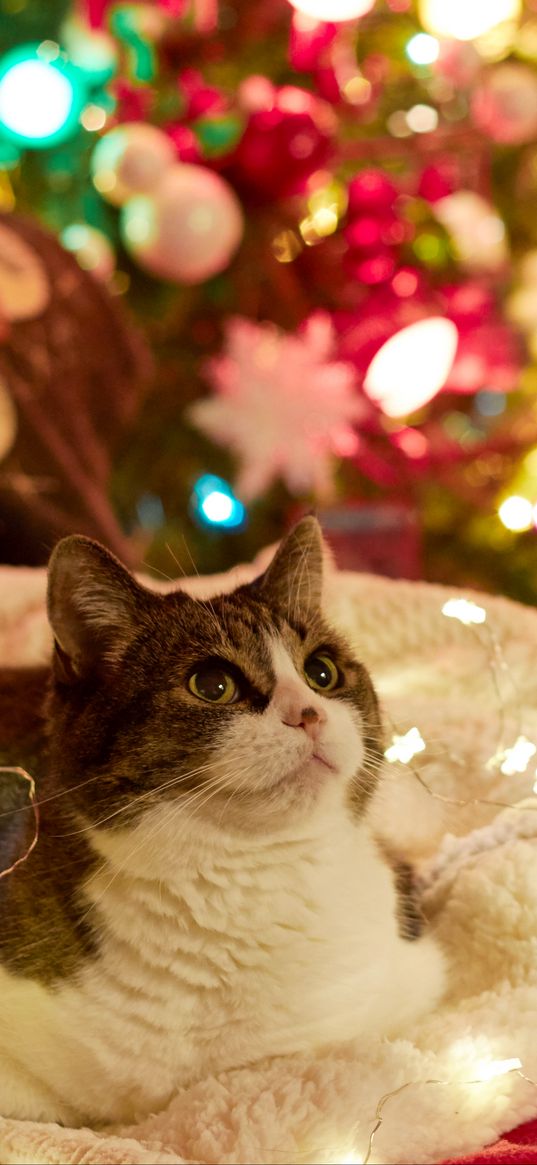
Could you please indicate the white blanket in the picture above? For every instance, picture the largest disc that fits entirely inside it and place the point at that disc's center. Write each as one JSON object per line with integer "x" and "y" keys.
{"x": 472, "y": 692}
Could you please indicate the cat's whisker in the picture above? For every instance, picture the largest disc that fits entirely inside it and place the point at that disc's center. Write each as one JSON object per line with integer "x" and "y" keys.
{"x": 53, "y": 796}
{"x": 175, "y": 559}
{"x": 197, "y": 573}
{"x": 156, "y": 570}
{"x": 177, "y": 810}
{"x": 139, "y": 797}
{"x": 146, "y": 840}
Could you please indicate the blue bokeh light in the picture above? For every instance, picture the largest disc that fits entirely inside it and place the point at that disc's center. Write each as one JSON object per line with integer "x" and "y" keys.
{"x": 41, "y": 96}
{"x": 214, "y": 503}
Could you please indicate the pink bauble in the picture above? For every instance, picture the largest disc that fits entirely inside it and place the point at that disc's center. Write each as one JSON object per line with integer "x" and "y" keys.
{"x": 131, "y": 159}
{"x": 188, "y": 230}
{"x": 505, "y": 105}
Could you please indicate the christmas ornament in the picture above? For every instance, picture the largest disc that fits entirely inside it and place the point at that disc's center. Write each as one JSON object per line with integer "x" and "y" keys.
{"x": 504, "y": 106}
{"x": 188, "y": 230}
{"x": 371, "y": 192}
{"x": 91, "y": 248}
{"x": 283, "y": 406}
{"x": 131, "y": 159}
{"x": 287, "y": 138}
{"x": 476, "y": 229}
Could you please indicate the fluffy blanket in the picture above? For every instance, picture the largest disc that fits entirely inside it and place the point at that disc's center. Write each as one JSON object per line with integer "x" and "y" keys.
{"x": 465, "y": 1074}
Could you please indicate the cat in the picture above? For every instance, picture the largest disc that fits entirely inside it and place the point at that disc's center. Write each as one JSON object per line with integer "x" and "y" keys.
{"x": 205, "y": 890}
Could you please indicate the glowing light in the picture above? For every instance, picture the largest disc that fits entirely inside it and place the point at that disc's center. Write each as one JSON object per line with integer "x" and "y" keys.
{"x": 333, "y": 10}
{"x": 517, "y": 758}
{"x": 423, "y": 49}
{"x": 319, "y": 225}
{"x": 403, "y": 748}
{"x": 516, "y": 513}
{"x": 39, "y": 100}
{"x": 422, "y": 119}
{"x": 214, "y": 503}
{"x": 93, "y": 117}
{"x": 466, "y": 20}
{"x": 465, "y": 611}
{"x": 487, "y": 1070}
{"x": 286, "y": 246}
{"x": 412, "y": 366}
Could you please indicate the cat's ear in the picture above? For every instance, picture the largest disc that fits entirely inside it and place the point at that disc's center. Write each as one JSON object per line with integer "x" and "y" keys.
{"x": 293, "y": 581}
{"x": 94, "y": 606}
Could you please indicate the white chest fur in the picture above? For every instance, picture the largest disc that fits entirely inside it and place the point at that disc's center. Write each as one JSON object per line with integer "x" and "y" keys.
{"x": 259, "y": 948}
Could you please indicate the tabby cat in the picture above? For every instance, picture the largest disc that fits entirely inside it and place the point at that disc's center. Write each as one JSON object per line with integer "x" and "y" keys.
{"x": 205, "y": 890}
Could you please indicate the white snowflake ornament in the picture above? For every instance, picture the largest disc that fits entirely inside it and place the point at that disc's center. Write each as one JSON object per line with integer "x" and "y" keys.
{"x": 282, "y": 406}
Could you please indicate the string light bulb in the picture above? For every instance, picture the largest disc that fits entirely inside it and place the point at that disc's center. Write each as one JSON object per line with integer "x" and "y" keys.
{"x": 423, "y": 49}
{"x": 333, "y": 10}
{"x": 213, "y": 503}
{"x": 517, "y": 758}
{"x": 516, "y": 514}
{"x": 41, "y": 96}
{"x": 404, "y": 748}
{"x": 464, "y": 20}
{"x": 412, "y": 366}
{"x": 489, "y": 1069}
{"x": 465, "y": 610}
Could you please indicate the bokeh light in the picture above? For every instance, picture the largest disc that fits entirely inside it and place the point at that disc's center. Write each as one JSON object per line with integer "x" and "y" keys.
{"x": 423, "y": 49}
{"x": 214, "y": 503}
{"x": 333, "y": 10}
{"x": 466, "y": 19}
{"x": 40, "y": 100}
{"x": 412, "y": 366}
{"x": 516, "y": 513}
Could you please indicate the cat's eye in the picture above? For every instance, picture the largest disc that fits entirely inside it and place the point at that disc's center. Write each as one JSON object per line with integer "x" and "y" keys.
{"x": 321, "y": 673}
{"x": 214, "y": 685}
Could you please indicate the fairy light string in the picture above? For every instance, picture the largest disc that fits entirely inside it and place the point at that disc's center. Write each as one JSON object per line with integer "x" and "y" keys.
{"x": 509, "y": 760}
{"x": 490, "y": 1070}
{"x": 33, "y": 803}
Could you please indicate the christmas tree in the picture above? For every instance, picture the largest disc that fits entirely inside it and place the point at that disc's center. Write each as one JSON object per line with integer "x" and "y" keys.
{"x": 320, "y": 217}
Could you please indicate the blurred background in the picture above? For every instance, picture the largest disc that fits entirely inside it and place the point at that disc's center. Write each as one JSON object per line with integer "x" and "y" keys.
{"x": 258, "y": 258}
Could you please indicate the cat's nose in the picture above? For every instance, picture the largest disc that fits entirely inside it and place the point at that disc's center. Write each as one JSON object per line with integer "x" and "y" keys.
{"x": 307, "y": 718}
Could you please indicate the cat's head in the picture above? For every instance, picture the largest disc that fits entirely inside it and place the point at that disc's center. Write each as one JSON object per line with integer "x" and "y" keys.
{"x": 246, "y": 711}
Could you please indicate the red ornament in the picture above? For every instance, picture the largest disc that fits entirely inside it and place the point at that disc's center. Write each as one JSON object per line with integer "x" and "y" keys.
{"x": 373, "y": 269}
{"x": 371, "y": 192}
{"x": 288, "y": 136}
{"x": 373, "y": 233}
